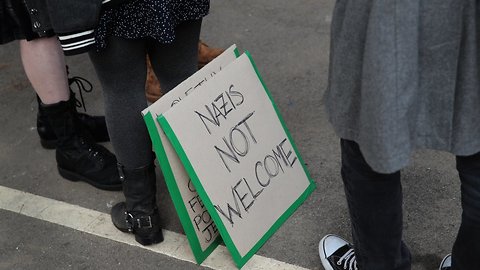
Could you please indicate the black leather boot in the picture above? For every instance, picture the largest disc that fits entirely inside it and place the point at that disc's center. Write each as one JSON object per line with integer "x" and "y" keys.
{"x": 139, "y": 213}
{"x": 95, "y": 125}
{"x": 78, "y": 157}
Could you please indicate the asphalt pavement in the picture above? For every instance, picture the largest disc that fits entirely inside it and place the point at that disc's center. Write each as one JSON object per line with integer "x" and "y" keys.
{"x": 289, "y": 41}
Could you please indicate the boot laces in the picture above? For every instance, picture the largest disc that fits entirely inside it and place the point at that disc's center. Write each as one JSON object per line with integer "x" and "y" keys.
{"x": 82, "y": 85}
{"x": 95, "y": 154}
{"x": 349, "y": 260}
{"x": 93, "y": 151}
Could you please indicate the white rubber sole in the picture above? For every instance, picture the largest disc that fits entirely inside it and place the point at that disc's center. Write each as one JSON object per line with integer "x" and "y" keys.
{"x": 444, "y": 259}
{"x": 321, "y": 252}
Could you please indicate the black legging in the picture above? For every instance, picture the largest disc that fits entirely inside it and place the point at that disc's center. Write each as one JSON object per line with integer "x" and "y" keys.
{"x": 122, "y": 71}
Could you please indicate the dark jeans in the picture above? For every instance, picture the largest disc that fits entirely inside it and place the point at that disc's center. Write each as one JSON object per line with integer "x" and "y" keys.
{"x": 375, "y": 206}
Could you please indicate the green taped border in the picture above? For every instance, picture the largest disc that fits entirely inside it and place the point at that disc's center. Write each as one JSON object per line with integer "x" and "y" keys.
{"x": 199, "y": 254}
{"x": 281, "y": 120}
{"x": 238, "y": 259}
{"x": 236, "y": 52}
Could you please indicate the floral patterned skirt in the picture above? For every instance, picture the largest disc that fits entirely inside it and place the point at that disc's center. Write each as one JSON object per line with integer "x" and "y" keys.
{"x": 155, "y": 19}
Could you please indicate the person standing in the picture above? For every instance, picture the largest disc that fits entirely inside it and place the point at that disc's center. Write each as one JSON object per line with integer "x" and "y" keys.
{"x": 168, "y": 31}
{"x": 404, "y": 75}
{"x": 60, "y": 126}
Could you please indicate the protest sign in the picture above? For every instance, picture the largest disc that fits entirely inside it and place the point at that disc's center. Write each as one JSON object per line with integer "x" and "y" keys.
{"x": 240, "y": 156}
{"x": 199, "y": 227}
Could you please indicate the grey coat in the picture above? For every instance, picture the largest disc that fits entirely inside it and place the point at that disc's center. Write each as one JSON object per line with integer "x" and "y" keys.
{"x": 404, "y": 75}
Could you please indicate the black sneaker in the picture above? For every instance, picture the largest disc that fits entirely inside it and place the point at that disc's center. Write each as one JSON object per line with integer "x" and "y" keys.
{"x": 446, "y": 263}
{"x": 336, "y": 253}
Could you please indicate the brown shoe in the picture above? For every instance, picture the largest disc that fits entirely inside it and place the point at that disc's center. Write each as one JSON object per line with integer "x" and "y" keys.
{"x": 153, "y": 91}
{"x": 206, "y": 54}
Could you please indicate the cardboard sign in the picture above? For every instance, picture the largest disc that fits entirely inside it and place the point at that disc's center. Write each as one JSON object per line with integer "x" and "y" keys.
{"x": 240, "y": 156}
{"x": 199, "y": 227}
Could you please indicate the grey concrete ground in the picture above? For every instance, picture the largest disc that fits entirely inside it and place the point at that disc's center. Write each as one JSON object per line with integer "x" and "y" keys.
{"x": 289, "y": 41}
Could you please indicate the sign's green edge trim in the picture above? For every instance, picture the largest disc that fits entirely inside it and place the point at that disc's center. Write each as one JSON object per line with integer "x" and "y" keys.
{"x": 238, "y": 259}
{"x": 199, "y": 254}
{"x": 281, "y": 120}
{"x": 311, "y": 187}
{"x": 236, "y": 52}
{"x": 201, "y": 191}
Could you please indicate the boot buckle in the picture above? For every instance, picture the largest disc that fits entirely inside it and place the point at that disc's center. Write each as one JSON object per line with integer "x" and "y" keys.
{"x": 144, "y": 222}
{"x": 138, "y": 223}
{"x": 121, "y": 173}
{"x": 129, "y": 219}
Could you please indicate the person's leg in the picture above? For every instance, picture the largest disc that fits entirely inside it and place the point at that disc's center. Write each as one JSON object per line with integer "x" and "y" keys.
{"x": 375, "y": 206}
{"x": 44, "y": 64}
{"x": 467, "y": 245}
{"x": 78, "y": 157}
{"x": 175, "y": 62}
{"x": 121, "y": 68}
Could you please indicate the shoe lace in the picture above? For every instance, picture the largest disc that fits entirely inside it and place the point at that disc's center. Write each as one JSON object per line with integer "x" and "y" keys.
{"x": 92, "y": 150}
{"x": 349, "y": 260}
{"x": 81, "y": 84}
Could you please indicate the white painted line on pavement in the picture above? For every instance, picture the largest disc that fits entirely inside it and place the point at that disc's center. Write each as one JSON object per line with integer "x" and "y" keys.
{"x": 97, "y": 223}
